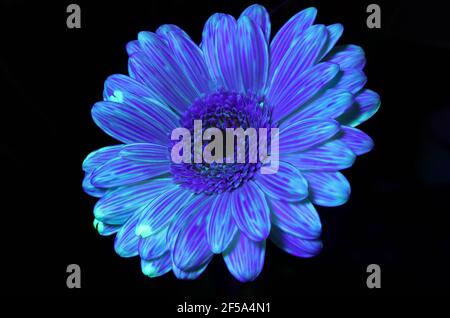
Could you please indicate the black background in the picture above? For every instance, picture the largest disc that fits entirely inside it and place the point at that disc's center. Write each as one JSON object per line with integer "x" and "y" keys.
{"x": 398, "y": 214}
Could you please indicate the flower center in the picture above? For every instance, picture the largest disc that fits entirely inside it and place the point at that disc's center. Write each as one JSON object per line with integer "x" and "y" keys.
{"x": 221, "y": 110}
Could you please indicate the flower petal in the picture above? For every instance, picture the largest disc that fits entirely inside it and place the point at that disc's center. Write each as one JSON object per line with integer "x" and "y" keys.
{"x": 118, "y": 204}
{"x": 302, "y": 54}
{"x": 366, "y": 105}
{"x": 286, "y": 184}
{"x": 236, "y": 52}
{"x": 120, "y": 171}
{"x": 126, "y": 241}
{"x": 100, "y": 156}
{"x": 148, "y": 152}
{"x": 250, "y": 211}
{"x": 126, "y": 90}
{"x": 298, "y": 219}
{"x": 196, "y": 204}
{"x": 157, "y": 68}
{"x": 295, "y": 245}
{"x": 334, "y": 33}
{"x": 253, "y": 56}
{"x": 352, "y": 80}
{"x": 161, "y": 210}
{"x": 189, "y": 57}
{"x": 105, "y": 229}
{"x": 331, "y": 156}
{"x": 260, "y": 17}
{"x": 90, "y": 189}
{"x": 133, "y": 47}
{"x": 131, "y": 123}
{"x": 191, "y": 250}
{"x": 305, "y": 134}
{"x": 245, "y": 258}
{"x": 220, "y": 228}
{"x": 327, "y": 188}
{"x": 153, "y": 246}
{"x": 347, "y": 56}
{"x": 301, "y": 89}
{"x": 219, "y": 45}
{"x": 188, "y": 275}
{"x": 284, "y": 38}
{"x": 157, "y": 267}
{"x": 359, "y": 142}
{"x": 94, "y": 160}
{"x": 332, "y": 104}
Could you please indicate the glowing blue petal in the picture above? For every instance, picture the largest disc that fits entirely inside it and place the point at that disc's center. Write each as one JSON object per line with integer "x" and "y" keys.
{"x": 191, "y": 250}
{"x": 298, "y": 219}
{"x": 92, "y": 161}
{"x": 250, "y": 211}
{"x": 117, "y": 205}
{"x": 334, "y": 33}
{"x": 303, "y": 53}
{"x": 196, "y": 204}
{"x": 332, "y": 104}
{"x": 358, "y": 141}
{"x": 352, "y": 80}
{"x": 295, "y": 245}
{"x": 139, "y": 70}
{"x": 286, "y": 184}
{"x": 151, "y": 153}
{"x": 133, "y": 47}
{"x": 301, "y": 89}
{"x": 126, "y": 90}
{"x": 90, "y": 189}
{"x": 120, "y": 171}
{"x": 126, "y": 241}
{"x": 366, "y": 105}
{"x": 100, "y": 156}
{"x": 253, "y": 56}
{"x": 220, "y": 228}
{"x": 161, "y": 210}
{"x": 307, "y": 133}
{"x": 245, "y": 258}
{"x": 189, "y": 57}
{"x": 158, "y": 266}
{"x": 347, "y": 56}
{"x": 188, "y": 275}
{"x": 260, "y": 17}
{"x": 154, "y": 245}
{"x": 132, "y": 123}
{"x": 291, "y": 30}
{"x": 219, "y": 44}
{"x": 236, "y": 53}
{"x": 327, "y": 188}
{"x": 105, "y": 229}
{"x": 157, "y": 68}
{"x": 123, "y": 89}
{"x": 331, "y": 156}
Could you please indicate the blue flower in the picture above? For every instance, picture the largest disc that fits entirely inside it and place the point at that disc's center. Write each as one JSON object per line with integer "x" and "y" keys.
{"x": 177, "y": 216}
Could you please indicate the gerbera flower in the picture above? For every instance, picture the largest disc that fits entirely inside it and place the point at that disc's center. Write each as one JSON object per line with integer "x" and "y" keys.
{"x": 177, "y": 216}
